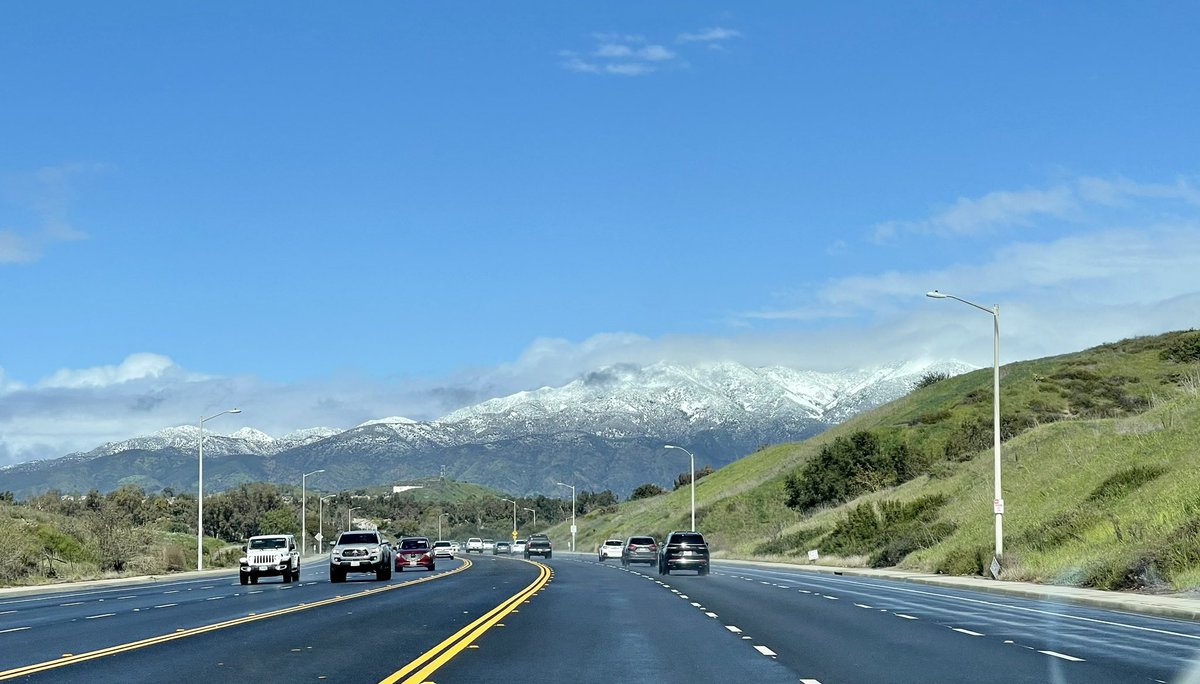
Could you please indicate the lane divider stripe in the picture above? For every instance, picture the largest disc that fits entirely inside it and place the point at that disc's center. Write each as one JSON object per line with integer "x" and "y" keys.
{"x": 433, "y": 659}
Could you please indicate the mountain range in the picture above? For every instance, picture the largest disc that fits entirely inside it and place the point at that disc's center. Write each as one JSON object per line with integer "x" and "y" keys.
{"x": 604, "y": 430}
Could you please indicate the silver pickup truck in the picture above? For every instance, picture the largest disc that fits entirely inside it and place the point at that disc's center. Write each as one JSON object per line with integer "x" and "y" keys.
{"x": 360, "y": 551}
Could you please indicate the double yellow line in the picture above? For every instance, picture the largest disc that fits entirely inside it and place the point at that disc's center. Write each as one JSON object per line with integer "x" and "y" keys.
{"x": 184, "y": 633}
{"x": 428, "y": 662}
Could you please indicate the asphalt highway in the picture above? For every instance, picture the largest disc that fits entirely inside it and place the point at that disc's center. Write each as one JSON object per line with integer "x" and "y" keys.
{"x": 501, "y": 619}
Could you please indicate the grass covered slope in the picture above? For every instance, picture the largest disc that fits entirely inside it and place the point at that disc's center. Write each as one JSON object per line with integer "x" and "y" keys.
{"x": 1101, "y": 462}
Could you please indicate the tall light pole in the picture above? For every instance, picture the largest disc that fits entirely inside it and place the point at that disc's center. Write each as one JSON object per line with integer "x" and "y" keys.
{"x": 998, "y": 500}
{"x": 304, "y": 510}
{"x": 440, "y": 516}
{"x": 534, "y": 512}
{"x": 321, "y": 521}
{"x": 573, "y": 528}
{"x": 514, "y": 503}
{"x": 693, "y": 460}
{"x": 200, "y": 491}
{"x": 349, "y": 524}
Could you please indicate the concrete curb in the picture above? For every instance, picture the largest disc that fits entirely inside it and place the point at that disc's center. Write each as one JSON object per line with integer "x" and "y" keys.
{"x": 1175, "y": 607}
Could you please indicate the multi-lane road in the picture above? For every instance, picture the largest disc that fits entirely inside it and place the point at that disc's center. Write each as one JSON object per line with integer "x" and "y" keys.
{"x": 500, "y": 619}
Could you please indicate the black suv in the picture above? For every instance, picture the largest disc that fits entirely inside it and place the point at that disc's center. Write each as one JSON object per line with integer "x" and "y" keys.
{"x": 539, "y": 545}
{"x": 683, "y": 551}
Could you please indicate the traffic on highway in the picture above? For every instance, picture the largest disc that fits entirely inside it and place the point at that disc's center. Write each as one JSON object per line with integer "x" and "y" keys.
{"x": 755, "y": 622}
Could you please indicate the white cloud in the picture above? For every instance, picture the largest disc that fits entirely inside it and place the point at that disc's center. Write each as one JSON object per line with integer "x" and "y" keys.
{"x": 613, "y": 50}
{"x": 134, "y": 367}
{"x": 1005, "y": 209}
{"x": 708, "y": 35}
{"x": 41, "y": 199}
{"x": 990, "y": 212}
{"x": 621, "y": 55}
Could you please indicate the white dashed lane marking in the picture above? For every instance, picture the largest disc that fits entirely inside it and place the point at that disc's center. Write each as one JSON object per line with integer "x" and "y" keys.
{"x": 968, "y": 632}
{"x": 13, "y": 629}
{"x": 732, "y": 628}
{"x": 765, "y": 651}
{"x": 102, "y": 615}
{"x": 906, "y": 617}
{"x": 1064, "y": 656}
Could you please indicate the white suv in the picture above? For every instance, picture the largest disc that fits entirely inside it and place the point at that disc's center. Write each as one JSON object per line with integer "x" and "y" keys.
{"x": 474, "y": 545}
{"x": 611, "y": 548}
{"x": 267, "y": 555}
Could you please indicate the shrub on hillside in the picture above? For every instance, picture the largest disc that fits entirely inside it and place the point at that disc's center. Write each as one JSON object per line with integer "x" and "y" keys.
{"x": 1183, "y": 349}
{"x": 889, "y": 531}
{"x": 646, "y": 491}
{"x": 850, "y": 466}
{"x": 930, "y": 378}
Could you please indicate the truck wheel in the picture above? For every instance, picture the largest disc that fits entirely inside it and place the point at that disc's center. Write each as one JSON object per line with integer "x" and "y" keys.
{"x": 335, "y": 576}
{"x": 548, "y": 555}
{"x": 243, "y": 578}
{"x": 253, "y": 578}
{"x": 296, "y": 574}
{"x": 287, "y": 575}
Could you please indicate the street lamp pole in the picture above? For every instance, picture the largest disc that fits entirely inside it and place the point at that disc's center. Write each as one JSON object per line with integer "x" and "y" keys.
{"x": 321, "y": 521}
{"x": 349, "y": 523}
{"x": 200, "y": 491}
{"x": 440, "y": 516}
{"x": 514, "y": 503}
{"x": 998, "y": 499}
{"x": 304, "y": 509}
{"x": 693, "y": 460}
{"x": 534, "y": 512}
{"x": 573, "y": 528}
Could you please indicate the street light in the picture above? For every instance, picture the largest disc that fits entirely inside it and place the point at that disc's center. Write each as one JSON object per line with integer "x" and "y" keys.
{"x": 200, "y": 491}
{"x": 564, "y": 484}
{"x": 440, "y": 516}
{"x": 693, "y": 460}
{"x": 534, "y": 512}
{"x": 349, "y": 524}
{"x": 998, "y": 502}
{"x": 514, "y": 503}
{"x": 321, "y": 521}
{"x": 304, "y": 509}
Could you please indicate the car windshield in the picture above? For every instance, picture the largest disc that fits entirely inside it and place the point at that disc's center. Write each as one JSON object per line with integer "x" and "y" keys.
{"x": 819, "y": 296}
{"x": 270, "y": 543}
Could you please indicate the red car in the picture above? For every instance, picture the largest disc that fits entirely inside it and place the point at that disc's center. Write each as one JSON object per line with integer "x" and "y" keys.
{"x": 414, "y": 552}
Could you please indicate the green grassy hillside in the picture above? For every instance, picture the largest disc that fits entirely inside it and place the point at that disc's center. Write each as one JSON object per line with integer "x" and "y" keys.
{"x": 1101, "y": 462}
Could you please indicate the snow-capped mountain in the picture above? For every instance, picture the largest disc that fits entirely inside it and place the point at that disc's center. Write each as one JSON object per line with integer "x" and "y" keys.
{"x": 604, "y": 430}
{"x": 187, "y": 437}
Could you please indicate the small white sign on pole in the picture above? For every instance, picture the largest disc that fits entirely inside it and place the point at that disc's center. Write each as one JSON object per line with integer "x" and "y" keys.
{"x": 813, "y": 556}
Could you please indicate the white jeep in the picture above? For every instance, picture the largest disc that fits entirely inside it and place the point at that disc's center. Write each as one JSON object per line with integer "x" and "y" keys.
{"x": 267, "y": 555}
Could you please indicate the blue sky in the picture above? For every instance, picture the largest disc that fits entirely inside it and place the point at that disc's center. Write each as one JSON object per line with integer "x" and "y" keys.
{"x": 327, "y": 214}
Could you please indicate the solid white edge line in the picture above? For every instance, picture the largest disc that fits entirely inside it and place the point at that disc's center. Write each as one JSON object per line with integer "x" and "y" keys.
{"x": 1064, "y": 656}
{"x": 13, "y": 629}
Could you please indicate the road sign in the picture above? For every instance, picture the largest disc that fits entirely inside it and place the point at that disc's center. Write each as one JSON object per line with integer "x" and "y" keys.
{"x": 318, "y": 536}
{"x": 574, "y": 529}
{"x": 998, "y": 506}
{"x": 995, "y": 568}
{"x": 514, "y": 535}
